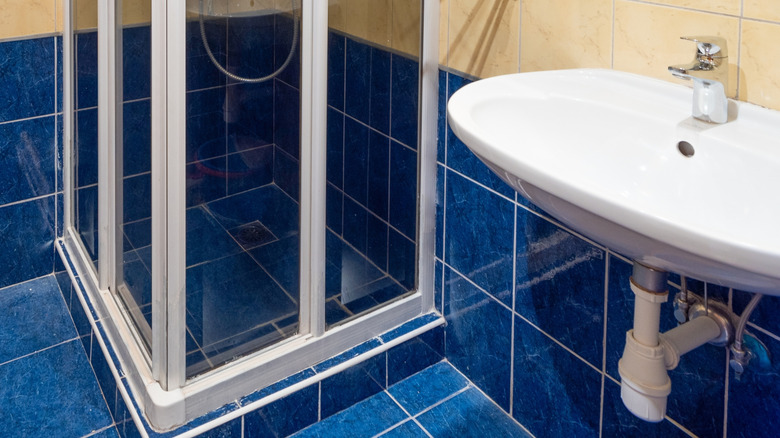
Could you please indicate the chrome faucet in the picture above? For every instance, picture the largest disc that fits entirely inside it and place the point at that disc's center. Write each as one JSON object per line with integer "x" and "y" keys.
{"x": 709, "y": 72}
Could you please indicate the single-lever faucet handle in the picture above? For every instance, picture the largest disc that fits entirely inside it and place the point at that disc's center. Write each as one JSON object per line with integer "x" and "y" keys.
{"x": 709, "y": 73}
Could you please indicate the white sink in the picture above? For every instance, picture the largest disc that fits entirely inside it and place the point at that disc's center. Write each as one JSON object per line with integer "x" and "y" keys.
{"x": 598, "y": 150}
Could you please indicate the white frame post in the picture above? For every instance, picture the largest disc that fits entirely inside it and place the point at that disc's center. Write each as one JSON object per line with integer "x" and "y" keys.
{"x": 67, "y": 115}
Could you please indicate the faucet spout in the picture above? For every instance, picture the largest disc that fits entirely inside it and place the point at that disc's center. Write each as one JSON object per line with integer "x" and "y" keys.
{"x": 709, "y": 74}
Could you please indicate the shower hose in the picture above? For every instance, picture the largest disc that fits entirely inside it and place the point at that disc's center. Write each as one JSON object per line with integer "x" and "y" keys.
{"x": 241, "y": 78}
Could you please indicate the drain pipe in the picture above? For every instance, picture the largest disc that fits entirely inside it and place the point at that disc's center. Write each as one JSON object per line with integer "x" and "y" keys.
{"x": 645, "y": 383}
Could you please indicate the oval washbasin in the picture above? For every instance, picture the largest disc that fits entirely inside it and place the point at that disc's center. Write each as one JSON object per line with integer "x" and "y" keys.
{"x": 599, "y": 150}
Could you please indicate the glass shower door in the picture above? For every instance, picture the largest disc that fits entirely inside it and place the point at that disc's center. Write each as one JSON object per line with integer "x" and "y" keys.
{"x": 242, "y": 178}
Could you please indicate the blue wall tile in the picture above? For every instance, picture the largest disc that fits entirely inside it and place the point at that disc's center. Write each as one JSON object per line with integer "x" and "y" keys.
{"x": 378, "y": 174}
{"x": 618, "y": 421}
{"x": 441, "y": 128}
{"x": 86, "y": 147}
{"x": 205, "y": 124}
{"x": 335, "y": 145}
{"x": 137, "y": 62}
{"x": 404, "y": 103}
{"x": 138, "y": 197}
{"x": 250, "y": 46}
{"x": 28, "y": 236}
{"x": 285, "y": 416}
{"x": 27, "y": 159}
{"x": 752, "y": 401}
{"x": 336, "y": 49}
{"x": 27, "y": 78}
{"x": 86, "y": 77}
{"x": 479, "y": 232}
{"x": 287, "y": 129}
{"x": 401, "y": 259}
{"x": 201, "y": 72}
{"x": 358, "y": 80}
{"x": 283, "y": 39}
{"x": 560, "y": 277}
{"x": 356, "y": 137}
{"x": 137, "y": 133}
{"x": 334, "y": 206}
{"x": 403, "y": 189}
{"x": 379, "y": 96}
{"x": 415, "y": 355}
{"x": 287, "y": 174}
{"x": 550, "y": 383}
{"x": 352, "y": 385}
{"x": 478, "y": 339}
{"x": 250, "y": 169}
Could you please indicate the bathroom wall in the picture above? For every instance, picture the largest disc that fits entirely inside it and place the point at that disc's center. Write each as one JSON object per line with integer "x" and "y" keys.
{"x": 486, "y": 38}
{"x": 30, "y": 139}
{"x": 537, "y": 314}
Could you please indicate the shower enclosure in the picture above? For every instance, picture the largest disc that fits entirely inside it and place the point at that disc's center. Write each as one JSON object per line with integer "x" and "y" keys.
{"x": 250, "y": 184}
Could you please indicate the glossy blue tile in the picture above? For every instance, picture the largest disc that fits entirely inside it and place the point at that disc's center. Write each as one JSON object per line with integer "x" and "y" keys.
{"x": 484, "y": 225}
{"x": 231, "y": 429}
{"x": 27, "y": 159}
{"x": 335, "y": 145}
{"x": 401, "y": 263}
{"x": 105, "y": 379}
{"x": 250, "y": 46}
{"x": 59, "y": 157}
{"x": 138, "y": 197}
{"x": 560, "y": 277}
{"x": 347, "y": 355}
{"x": 334, "y": 206}
{"x": 470, "y": 414}
{"x": 355, "y": 218}
{"x": 441, "y": 127}
{"x": 358, "y": 80}
{"x": 86, "y": 220}
{"x": 111, "y": 432}
{"x": 334, "y": 311}
{"x": 32, "y": 317}
{"x": 376, "y": 241}
{"x": 440, "y": 203}
{"x": 287, "y": 126}
{"x": 764, "y": 315}
{"x": 414, "y": 355}
{"x": 378, "y": 174}
{"x": 139, "y": 233}
{"x": 428, "y": 387}
{"x": 618, "y": 421}
{"x": 206, "y": 124}
{"x": 404, "y": 102}
{"x": 59, "y": 75}
{"x": 700, "y": 381}
{"x": 38, "y": 402}
{"x": 250, "y": 169}
{"x": 86, "y": 77}
{"x": 28, "y": 239}
{"x": 379, "y": 97}
{"x": 356, "y": 137}
{"x": 353, "y": 385}
{"x": 27, "y": 78}
{"x": 287, "y": 174}
{"x": 478, "y": 340}
{"x": 249, "y": 111}
{"x": 201, "y": 72}
{"x": 285, "y": 416}
{"x": 281, "y": 259}
{"x": 86, "y": 147}
{"x": 549, "y": 379}
{"x": 137, "y": 128}
{"x": 381, "y": 409}
{"x": 137, "y": 62}
{"x": 206, "y": 239}
{"x": 405, "y": 430}
{"x": 439, "y": 286}
{"x": 336, "y": 47}
{"x": 283, "y": 50}
{"x": 268, "y": 204}
{"x": 403, "y": 189}
{"x": 752, "y": 400}
{"x": 206, "y": 180}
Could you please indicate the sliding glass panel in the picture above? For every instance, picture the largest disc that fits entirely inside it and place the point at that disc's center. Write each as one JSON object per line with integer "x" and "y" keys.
{"x": 134, "y": 273}
{"x": 85, "y": 122}
{"x": 373, "y": 75}
{"x": 243, "y": 177}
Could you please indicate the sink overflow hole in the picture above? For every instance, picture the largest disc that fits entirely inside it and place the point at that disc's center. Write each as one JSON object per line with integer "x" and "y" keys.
{"x": 685, "y": 148}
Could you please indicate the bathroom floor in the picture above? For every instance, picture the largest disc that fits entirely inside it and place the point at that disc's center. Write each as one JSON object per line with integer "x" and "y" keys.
{"x": 47, "y": 387}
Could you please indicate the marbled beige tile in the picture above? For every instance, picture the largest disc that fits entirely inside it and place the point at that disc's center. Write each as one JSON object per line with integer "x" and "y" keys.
{"x": 85, "y": 14}
{"x": 58, "y": 14}
{"x": 370, "y": 20}
{"x": 762, "y": 9}
{"x": 647, "y": 38}
{"x": 136, "y": 12}
{"x": 21, "y": 18}
{"x": 559, "y": 34}
{"x": 337, "y": 15}
{"x": 406, "y": 26}
{"x": 444, "y": 27}
{"x": 760, "y": 64}
{"x": 484, "y": 36}
{"x": 719, "y": 6}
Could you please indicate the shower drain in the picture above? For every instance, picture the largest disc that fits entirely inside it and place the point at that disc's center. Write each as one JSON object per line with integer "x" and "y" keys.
{"x": 252, "y": 235}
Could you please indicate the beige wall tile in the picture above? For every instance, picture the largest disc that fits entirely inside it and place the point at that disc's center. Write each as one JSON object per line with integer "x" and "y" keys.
{"x": 760, "y": 64}
{"x": 21, "y": 18}
{"x": 85, "y": 14}
{"x": 370, "y": 20}
{"x": 719, "y": 6}
{"x": 337, "y": 15}
{"x": 559, "y": 34}
{"x": 136, "y": 11}
{"x": 406, "y": 26}
{"x": 762, "y": 9}
{"x": 444, "y": 29}
{"x": 484, "y": 36}
{"x": 647, "y": 38}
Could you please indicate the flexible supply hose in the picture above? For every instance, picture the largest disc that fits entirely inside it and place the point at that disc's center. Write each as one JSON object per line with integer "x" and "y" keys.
{"x": 743, "y": 319}
{"x": 241, "y": 78}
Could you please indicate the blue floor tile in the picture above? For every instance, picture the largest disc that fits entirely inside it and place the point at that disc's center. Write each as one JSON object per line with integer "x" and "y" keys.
{"x": 428, "y": 387}
{"x": 409, "y": 429}
{"x": 380, "y": 409}
{"x": 470, "y": 414}
{"x": 51, "y": 393}
{"x": 33, "y": 316}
